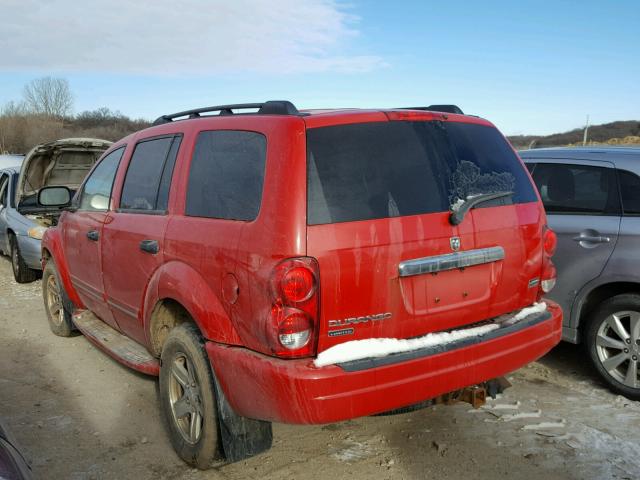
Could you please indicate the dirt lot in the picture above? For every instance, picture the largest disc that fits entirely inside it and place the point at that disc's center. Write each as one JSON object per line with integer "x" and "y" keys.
{"x": 78, "y": 414}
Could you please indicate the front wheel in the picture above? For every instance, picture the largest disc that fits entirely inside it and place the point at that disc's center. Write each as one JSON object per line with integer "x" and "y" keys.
{"x": 187, "y": 398}
{"x": 56, "y": 307}
{"x": 21, "y": 272}
{"x": 613, "y": 342}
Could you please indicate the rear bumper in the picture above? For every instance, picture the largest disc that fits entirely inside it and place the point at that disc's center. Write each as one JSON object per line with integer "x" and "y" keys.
{"x": 295, "y": 391}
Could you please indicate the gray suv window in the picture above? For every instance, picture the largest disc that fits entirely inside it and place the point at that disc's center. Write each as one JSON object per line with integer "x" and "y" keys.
{"x": 577, "y": 189}
{"x": 630, "y": 192}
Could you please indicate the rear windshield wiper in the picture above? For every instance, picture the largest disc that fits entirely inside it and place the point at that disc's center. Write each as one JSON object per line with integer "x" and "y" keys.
{"x": 460, "y": 208}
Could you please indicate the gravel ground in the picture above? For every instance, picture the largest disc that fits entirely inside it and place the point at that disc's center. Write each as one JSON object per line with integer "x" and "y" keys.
{"x": 78, "y": 414}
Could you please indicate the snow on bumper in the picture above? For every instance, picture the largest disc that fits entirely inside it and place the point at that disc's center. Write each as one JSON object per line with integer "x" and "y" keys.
{"x": 381, "y": 347}
{"x": 296, "y": 391}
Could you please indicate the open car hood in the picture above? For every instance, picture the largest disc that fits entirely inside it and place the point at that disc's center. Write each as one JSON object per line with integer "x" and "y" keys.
{"x": 63, "y": 162}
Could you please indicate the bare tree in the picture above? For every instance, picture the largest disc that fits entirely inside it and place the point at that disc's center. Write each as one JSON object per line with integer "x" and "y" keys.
{"x": 48, "y": 96}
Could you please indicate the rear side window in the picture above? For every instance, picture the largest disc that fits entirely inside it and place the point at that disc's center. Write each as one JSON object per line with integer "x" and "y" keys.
{"x": 146, "y": 185}
{"x": 96, "y": 192}
{"x": 227, "y": 174}
{"x": 577, "y": 189}
{"x": 389, "y": 169}
{"x": 630, "y": 192}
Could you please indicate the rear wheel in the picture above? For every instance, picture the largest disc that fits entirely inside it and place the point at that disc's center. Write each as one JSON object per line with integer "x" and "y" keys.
{"x": 21, "y": 272}
{"x": 56, "y": 306}
{"x": 187, "y": 398}
{"x": 613, "y": 342}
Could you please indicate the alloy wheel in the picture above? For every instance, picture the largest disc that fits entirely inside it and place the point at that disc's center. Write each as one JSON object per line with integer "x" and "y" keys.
{"x": 618, "y": 346}
{"x": 54, "y": 300}
{"x": 185, "y": 399}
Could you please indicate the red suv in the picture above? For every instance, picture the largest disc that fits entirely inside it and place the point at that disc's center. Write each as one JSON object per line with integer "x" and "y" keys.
{"x": 308, "y": 267}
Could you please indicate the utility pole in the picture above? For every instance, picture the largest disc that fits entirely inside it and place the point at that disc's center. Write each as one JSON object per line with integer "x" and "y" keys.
{"x": 586, "y": 132}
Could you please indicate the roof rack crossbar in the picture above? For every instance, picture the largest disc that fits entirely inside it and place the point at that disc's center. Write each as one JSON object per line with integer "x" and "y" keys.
{"x": 438, "y": 108}
{"x": 272, "y": 107}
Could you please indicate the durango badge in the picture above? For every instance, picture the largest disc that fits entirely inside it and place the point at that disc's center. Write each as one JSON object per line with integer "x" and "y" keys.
{"x": 455, "y": 243}
{"x": 355, "y": 320}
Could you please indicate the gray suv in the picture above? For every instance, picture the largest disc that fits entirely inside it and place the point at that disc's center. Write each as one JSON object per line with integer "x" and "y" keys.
{"x": 592, "y": 199}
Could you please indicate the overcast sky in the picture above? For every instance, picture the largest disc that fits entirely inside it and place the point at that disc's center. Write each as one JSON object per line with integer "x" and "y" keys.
{"x": 536, "y": 67}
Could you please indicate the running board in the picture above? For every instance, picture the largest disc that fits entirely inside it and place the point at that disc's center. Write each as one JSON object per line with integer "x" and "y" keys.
{"x": 116, "y": 345}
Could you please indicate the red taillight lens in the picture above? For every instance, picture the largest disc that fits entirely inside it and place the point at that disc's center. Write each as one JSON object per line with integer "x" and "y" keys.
{"x": 549, "y": 274}
{"x": 297, "y": 284}
{"x": 293, "y": 325}
{"x": 550, "y": 241}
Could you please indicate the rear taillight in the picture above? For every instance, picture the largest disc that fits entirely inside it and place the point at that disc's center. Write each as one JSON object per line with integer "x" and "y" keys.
{"x": 293, "y": 324}
{"x": 549, "y": 274}
{"x": 549, "y": 241}
{"x": 548, "y": 280}
{"x": 297, "y": 284}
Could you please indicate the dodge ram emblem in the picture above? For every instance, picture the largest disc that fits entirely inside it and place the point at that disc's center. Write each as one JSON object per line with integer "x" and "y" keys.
{"x": 455, "y": 243}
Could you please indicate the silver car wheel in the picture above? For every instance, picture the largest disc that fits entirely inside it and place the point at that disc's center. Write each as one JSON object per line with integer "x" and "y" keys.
{"x": 185, "y": 400}
{"x": 618, "y": 346}
{"x": 54, "y": 300}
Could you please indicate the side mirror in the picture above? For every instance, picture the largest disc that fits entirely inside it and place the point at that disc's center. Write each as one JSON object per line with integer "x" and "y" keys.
{"x": 54, "y": 197}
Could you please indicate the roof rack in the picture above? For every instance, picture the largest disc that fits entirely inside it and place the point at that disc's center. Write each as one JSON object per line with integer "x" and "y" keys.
{"x": 438, "y": 108}
{"x": 272, "y": 107}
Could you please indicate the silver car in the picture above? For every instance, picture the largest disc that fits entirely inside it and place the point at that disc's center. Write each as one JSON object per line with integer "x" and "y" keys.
{"x": 592, "y": 199}
{"x": 22, "y": 220}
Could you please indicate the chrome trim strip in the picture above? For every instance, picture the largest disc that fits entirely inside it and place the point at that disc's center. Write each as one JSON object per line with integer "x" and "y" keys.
{"x": 450, "y": 261}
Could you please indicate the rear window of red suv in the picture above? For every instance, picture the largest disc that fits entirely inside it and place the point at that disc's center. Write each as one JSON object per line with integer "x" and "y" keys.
{"x": 366, "y": 171}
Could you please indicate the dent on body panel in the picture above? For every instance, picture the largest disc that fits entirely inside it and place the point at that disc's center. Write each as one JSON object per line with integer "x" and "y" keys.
{"x": 181, "y": 283}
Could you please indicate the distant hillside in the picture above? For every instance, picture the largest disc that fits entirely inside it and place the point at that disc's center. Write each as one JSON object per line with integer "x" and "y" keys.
{"x": 615, "y": 133}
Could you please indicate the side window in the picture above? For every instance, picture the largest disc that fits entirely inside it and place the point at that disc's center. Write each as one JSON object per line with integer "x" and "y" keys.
{"x": 96, "y": 192}
{"x": 226, "y": 176}
{"x": 630, "y": 192}
{"x": 4, "y": 190}
{"x": 577, "y": 189}
{"x": 146, "y": 185}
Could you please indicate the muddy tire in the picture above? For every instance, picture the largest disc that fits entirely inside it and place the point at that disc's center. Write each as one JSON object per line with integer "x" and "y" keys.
{"x": 612, "y": 340}
{"x": 56, "y": 304}
{"x": 21, "y": 272}
{"x": 187, "y": 398}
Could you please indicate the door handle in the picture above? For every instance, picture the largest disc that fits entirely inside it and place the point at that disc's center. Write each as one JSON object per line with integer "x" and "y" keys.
{"x": 149, "y": 246}
{"x": 591, "y": 239}
{"x": 93, "y": 235}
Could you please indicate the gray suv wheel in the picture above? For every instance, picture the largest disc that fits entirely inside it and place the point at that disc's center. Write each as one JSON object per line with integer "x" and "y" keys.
{"x": 613, "y": 341}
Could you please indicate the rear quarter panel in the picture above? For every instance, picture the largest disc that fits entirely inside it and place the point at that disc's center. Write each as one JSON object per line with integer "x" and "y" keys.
{"x": 204, "y": 253}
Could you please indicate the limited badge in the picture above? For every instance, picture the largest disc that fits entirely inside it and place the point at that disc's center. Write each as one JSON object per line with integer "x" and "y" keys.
{"x": 455, "y": 243}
